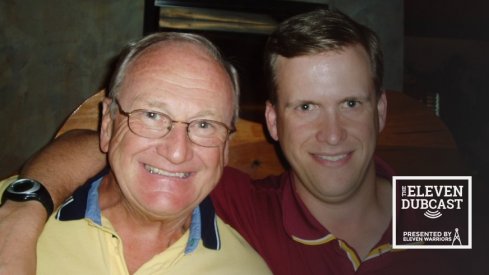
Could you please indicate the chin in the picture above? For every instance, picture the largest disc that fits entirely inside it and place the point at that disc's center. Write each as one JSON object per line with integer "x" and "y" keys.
{"x": 166, "y": 206}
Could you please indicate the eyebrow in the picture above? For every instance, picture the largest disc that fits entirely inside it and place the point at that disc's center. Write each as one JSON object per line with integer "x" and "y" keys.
{"x": 161, "y": 107}
{"x": 296, "y": 102}
{"x": 364, "y": 98}
{"x": 300, "y": 101}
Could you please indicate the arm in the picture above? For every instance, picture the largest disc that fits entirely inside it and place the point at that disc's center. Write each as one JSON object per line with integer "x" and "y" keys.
{"x": 66, "y": 164}
{"x": 62, "y": 166}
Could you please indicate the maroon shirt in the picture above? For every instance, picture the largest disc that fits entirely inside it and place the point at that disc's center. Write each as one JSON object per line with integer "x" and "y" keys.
{"x": 273, "y": 219}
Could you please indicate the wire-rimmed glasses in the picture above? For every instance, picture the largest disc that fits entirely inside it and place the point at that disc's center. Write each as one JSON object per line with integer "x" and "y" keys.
{"x": 153, "y": 124}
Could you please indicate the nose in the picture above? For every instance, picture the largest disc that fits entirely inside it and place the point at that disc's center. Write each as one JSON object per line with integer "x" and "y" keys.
{"x": 175, "y": 146}
{"x": 331, "y": 129}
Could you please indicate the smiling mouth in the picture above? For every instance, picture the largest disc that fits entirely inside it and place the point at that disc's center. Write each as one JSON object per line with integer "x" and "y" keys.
{"x": 154, "y": 170}
{"x": 333, "y": 158}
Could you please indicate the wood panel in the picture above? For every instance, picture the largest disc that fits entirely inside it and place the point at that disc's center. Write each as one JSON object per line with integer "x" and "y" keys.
{"x": 411, "y": 124}
{"x": 86, "y": 116}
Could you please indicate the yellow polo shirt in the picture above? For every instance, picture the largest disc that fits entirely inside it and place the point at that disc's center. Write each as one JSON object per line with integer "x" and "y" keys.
{"x": 4, "y": 183}
{"x": 78, "y": 240}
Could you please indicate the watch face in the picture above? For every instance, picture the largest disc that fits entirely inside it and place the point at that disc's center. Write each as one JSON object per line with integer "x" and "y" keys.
{"x": 24, "y": 186}
{"x": 26, "y": 190}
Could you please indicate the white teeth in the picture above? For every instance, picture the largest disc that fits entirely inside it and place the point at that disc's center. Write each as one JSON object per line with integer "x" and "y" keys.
{"x": 333, "y": 158}
{"x": 154, "y": 170}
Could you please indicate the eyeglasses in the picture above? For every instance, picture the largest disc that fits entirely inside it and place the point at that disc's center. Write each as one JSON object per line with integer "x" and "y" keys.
{"x": 152, "y": 124}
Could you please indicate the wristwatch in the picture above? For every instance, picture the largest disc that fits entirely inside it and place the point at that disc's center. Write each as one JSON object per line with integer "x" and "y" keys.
{"x": 26, "y": 190}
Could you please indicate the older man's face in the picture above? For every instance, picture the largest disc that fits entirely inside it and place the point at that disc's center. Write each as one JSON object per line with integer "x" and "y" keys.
{"x": 168, "y": 177}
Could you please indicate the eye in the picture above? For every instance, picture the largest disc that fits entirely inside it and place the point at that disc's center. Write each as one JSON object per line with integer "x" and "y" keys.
{"x": 152, "y": 115}
{"x": 351, "y": 103}
{"x": 153, "y": 119}
{"x": 306, "y": 107}
{"x": 204, "y": 124}
{"x": 203, "y": 128}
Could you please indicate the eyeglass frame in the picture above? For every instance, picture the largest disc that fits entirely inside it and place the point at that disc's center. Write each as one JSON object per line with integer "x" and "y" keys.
{"x": 229, "y": 130}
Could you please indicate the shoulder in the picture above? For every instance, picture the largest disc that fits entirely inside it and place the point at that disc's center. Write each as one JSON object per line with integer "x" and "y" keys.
{"x": 246, "y": 204}
{"x": 235, "y": 255}
{"x": 383, "y": 169}
{"x": 235, "y": 183}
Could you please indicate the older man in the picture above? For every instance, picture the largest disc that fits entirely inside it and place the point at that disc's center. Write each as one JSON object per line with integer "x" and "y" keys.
{"x": 165, "y": 128}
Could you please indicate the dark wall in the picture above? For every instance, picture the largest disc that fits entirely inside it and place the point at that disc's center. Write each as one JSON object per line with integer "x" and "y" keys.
{"x": 446, "y": 54}
{"x": 55, "y": 53}
{"x": 386, "y": 18}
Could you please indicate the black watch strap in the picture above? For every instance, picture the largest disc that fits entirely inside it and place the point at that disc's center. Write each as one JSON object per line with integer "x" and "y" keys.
{"x": 26, "y": 190}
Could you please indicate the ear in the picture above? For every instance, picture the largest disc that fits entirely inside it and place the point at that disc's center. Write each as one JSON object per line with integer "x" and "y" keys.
{"x": 226, "y": 153}
{"x": 226, "y": 148}
{"x": 382, "y": 111}
{"x": 271, "y": 118}
{"x": 106, "y": 125}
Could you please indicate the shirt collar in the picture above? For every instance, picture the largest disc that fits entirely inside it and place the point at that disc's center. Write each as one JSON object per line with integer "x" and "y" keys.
{"x": 84, "y": 204}
{"x": 301, "y": 225}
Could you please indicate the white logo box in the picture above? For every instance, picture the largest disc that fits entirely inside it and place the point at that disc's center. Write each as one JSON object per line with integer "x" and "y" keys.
{"x": 427, "y": 178}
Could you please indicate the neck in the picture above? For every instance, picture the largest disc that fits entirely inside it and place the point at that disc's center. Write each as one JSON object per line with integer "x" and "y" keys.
{"x": 142, "y": 236}
{"x": 359, "y": 219}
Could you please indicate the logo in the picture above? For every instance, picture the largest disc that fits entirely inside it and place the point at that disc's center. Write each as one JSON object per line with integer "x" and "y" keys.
{"x": 432, "y": 212}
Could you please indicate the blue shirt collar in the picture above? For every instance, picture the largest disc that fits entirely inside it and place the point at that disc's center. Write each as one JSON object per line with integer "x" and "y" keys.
{"x": 84, "y": 203}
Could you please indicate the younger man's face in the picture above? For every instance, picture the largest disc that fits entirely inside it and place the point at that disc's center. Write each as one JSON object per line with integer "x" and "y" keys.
{"x": 327, "y": 120}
